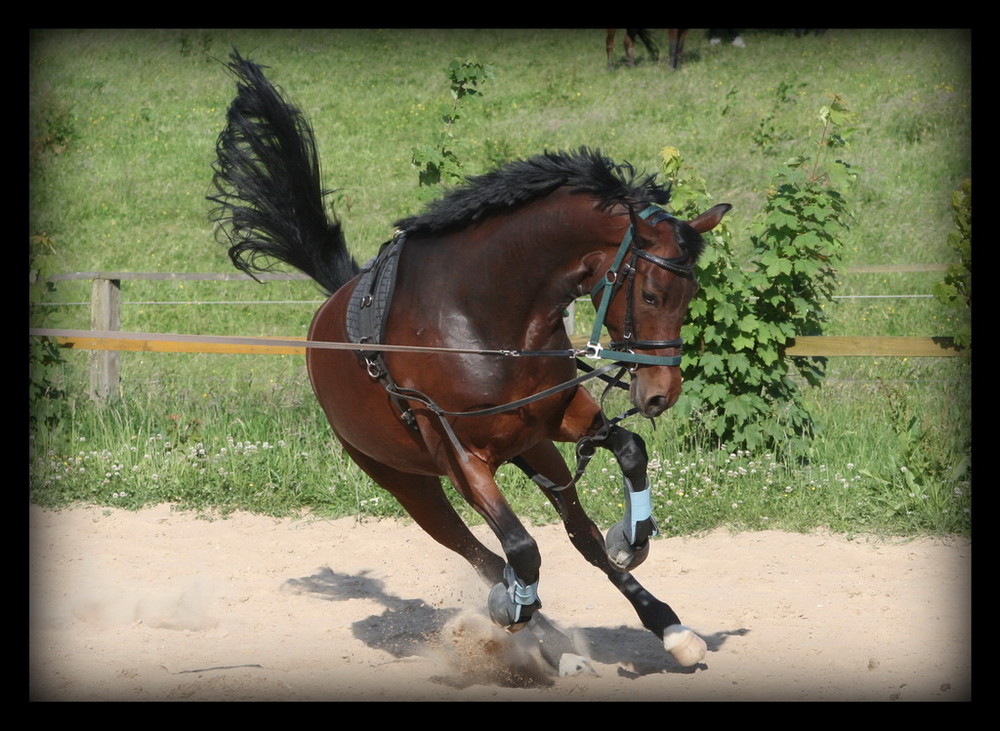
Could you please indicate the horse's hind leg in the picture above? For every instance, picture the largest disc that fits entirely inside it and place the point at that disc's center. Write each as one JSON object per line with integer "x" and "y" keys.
{"x": 610, "y": 45}
{"x": 513, "y": 598}
{"x": 513, "y": 602}
{"x": 545, "y": 461}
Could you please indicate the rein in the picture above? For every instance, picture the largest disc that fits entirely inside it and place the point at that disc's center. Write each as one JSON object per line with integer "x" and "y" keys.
{"x": 584, "y": 448}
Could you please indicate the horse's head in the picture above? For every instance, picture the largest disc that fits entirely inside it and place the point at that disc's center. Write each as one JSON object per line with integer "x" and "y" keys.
{"x": 650, "y": 294}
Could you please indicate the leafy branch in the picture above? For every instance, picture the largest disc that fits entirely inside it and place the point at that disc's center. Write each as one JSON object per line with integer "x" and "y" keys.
{"x": 438, "y": 161}
{"x": 738, "y": 386}
{"x": 955, "y": 290}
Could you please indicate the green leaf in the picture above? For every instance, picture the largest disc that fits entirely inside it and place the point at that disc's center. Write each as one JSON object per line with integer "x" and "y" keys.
{"x": 739, "y": 362}
{"x": 749, "y": 323}
{"x": 715, "y": 393}
{"x": 711, "y": 363}
{"x": 779, "y": 266}
{"x": 768, "y": 355}
{"x": 741, "y": 342}
{"x": 736, "y": 407}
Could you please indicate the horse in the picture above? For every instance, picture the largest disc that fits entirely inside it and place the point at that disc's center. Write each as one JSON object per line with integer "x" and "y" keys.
{"x": 446, "y": 354}
{"x": 676, "y": 38}
{"x": 631, "y": 34}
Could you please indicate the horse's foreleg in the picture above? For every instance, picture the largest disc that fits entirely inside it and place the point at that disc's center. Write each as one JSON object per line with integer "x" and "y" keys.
{"x": 677, "y": 36}
{"x": 424, "y": 499}
{"x": 514, "y": 597}
{"x": 545, "y": 464}
{"x": 628, "y": 540}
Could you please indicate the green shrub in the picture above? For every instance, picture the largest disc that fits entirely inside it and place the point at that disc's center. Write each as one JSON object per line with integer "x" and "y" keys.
{"x": 738, "y": 384}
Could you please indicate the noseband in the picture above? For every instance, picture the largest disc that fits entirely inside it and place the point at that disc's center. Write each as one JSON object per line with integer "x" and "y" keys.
{"x": 614, "y": 279}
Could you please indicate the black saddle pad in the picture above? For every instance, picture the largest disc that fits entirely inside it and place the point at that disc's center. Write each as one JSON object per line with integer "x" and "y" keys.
{"x": 372, "y": 296}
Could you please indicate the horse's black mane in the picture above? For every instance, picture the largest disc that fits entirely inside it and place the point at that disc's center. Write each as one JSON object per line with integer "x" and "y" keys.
{"x": 523, "y": 181}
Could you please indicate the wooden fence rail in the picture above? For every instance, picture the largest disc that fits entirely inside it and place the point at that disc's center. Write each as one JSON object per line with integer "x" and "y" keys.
{"x": 105, "y": 318}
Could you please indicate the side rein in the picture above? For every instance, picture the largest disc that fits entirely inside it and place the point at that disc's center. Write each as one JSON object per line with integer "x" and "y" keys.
{"x": 627, "y": 542}
{"x": 619, "y": 353}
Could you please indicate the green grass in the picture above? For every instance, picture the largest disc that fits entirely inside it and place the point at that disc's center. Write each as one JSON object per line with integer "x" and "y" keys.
{"x": 122, "y": 132}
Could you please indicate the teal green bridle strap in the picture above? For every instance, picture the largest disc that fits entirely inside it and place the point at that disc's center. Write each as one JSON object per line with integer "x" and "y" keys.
{"x": 606, "y": 288}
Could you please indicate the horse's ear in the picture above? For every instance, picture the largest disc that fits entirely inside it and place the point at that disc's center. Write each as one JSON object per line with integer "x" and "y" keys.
{"x": 710, "y": 218}
{"x": 644, "y": 230}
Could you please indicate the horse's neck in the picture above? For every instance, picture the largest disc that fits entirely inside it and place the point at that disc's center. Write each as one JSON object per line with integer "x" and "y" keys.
{"x": 518, "y": 271}
{"x": 543, "y": 250}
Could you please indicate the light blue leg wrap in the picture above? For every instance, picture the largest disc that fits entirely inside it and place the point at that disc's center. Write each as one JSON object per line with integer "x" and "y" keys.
{"x": 638, "y": 507}
{"x": 520, "y": 594}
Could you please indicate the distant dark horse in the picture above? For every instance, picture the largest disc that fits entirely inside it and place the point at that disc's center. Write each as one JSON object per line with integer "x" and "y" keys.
{"x": 675, "y": 35}
{"x": 447, "y": 354}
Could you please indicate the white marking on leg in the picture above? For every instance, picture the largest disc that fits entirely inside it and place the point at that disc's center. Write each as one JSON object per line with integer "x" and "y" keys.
{"x": 687, "y": 647}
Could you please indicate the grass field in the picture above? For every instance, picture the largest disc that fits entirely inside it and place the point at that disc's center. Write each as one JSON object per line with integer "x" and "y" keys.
{"x": 122, "y": 126}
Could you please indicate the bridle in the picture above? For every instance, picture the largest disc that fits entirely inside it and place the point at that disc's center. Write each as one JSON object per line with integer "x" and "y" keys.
{"x": 623, "y": 351}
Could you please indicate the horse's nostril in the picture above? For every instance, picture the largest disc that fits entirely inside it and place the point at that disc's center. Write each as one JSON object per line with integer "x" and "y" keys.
{"x": 656, "y": 406}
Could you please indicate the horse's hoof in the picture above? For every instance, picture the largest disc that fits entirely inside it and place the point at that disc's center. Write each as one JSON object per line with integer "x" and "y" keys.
{"x": 570, "y": 664}
{"x": 687, "y": 648}
{"x": 504, "y": 612}
{"x": 621, "y": 554}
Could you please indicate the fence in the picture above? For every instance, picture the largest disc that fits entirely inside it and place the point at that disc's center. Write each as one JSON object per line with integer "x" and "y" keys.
{"x": 105, "y": 339}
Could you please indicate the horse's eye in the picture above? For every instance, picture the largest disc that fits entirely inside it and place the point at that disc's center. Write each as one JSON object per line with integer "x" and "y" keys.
{"x": 649, "y": 299}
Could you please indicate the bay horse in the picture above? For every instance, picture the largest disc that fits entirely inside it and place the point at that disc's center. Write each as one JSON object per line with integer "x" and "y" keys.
{"x": 446, "y": 355}
{"x": 675, "y": 37}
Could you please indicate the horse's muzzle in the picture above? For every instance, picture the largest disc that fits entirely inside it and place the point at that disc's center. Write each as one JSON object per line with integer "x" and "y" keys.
{"x": 655, "y": 397}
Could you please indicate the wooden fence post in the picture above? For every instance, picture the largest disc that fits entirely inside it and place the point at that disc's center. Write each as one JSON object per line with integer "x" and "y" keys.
{"x": 105, "y": 314}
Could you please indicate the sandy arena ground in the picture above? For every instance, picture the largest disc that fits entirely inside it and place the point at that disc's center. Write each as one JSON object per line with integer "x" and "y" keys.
{"x": 160, "y": 605}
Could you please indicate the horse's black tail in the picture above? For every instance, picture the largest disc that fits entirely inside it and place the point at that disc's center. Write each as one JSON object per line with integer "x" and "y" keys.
{"x": 270, "y": 202}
